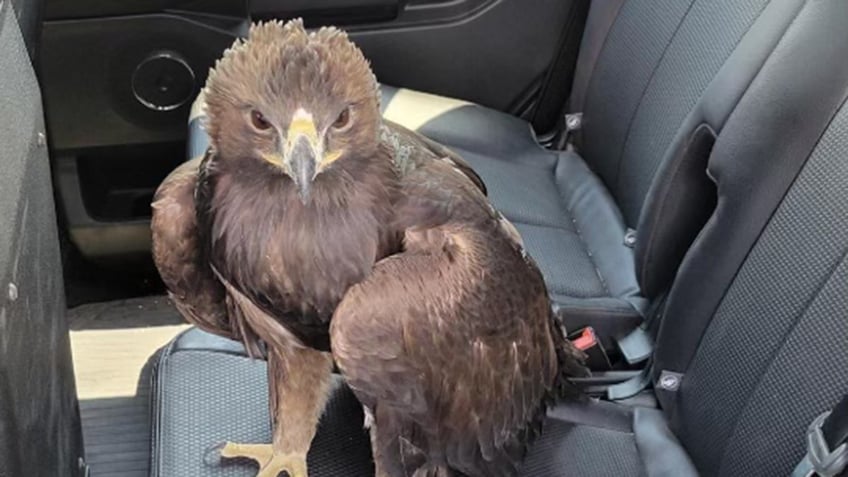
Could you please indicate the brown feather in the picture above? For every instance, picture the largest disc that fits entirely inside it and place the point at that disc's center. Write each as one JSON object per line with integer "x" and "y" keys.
{"x": 179, "y": 256}
{"x": 453, "y": 341}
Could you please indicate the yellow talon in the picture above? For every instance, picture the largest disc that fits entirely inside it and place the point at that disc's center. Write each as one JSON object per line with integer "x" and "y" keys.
{"x": 270, "y": 463}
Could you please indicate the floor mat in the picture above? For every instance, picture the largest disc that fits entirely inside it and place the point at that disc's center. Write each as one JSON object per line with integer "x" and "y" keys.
{"x": 112, "y": 345}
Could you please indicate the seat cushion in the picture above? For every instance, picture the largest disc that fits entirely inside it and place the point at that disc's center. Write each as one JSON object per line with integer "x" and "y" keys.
{"x": 569, "y": 222}
{"x": 457, "y": 123}
{"x": 206, "y": 391}
{"x": 567, "y": 218}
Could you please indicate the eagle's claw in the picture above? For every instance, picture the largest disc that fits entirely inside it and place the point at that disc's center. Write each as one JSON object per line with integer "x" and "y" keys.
{"x": 271, "y": 463}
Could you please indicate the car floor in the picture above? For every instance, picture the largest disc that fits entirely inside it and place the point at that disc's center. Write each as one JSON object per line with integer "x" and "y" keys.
{"x": 113, "y": 344}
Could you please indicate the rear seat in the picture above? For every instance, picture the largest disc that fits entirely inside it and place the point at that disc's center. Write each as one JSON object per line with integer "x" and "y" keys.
{"x": 666, "y": 78}
{"x": 755, "y": 324}
{"x": 755, "y": 329}
{"x": 664, "y": 81}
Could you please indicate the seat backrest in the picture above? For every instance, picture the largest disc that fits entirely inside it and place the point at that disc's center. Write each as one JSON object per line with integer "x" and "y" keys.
{"x": 757, "y": 320}
{"x": 657, "y": 60}
{"x": 664, "y": 82}
{"x": 39, "y": 417}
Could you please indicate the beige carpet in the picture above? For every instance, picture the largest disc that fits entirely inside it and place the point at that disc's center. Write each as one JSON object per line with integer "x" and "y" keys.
{"x": 112, "y": 346}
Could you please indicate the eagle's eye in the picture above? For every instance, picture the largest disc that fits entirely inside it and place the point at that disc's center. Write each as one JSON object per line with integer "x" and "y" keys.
{"x": 343, "y": 119}
{"x": 258, "y": 121}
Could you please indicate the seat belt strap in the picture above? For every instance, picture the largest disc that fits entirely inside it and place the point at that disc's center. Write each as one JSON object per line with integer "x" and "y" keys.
{"x": 556, "y": 88}
{"x": 598, "y": 24}
{"x": 638, "y": 345}
{"x": 631, "y": 387}
{"x": 827, "y": 444}
{"x": 599, "y": 21}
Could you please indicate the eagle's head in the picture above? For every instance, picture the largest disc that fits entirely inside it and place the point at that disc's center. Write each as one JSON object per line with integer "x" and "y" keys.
{"x": 299, "y": 103}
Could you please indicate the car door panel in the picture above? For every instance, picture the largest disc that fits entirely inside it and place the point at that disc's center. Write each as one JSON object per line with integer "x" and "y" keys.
{"x": 39, "y": 417}
{"x": 113, "y": 141}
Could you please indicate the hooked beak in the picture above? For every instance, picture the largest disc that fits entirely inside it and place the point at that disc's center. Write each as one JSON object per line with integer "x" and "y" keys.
{"x": 302, "y": 152}
{"x": 301, "y": 159}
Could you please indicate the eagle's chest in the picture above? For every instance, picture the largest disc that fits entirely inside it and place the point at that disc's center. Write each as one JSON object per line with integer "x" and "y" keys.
{"x": 299, "y": 259}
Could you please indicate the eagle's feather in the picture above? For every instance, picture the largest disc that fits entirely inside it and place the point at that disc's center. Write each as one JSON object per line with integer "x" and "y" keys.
{"x": 395, "y": 260}
{"x": 452, "y": 342}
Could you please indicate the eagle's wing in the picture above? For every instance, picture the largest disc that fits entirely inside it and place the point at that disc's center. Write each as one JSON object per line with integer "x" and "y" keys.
{"x": 418, "y": 142}
{"x": 452, "y": 339}
{"x": 182, "y": 260}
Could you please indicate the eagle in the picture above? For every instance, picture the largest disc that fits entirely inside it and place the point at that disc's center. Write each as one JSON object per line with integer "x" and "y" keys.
{"x": 320, "y": 236}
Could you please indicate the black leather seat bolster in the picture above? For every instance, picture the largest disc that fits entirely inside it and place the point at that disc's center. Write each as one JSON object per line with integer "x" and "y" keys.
{"x": 768, "y": 110}
{"x": 661, "y": 451}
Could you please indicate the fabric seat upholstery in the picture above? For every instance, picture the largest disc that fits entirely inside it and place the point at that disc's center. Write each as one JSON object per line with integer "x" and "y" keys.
{"x": 661, "y": 79}
{"x": 568, "y": 220}
{"x": 200, "y": 375}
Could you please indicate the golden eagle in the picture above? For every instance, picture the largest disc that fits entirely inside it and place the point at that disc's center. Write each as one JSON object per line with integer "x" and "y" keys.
{"x": 312, "y": 221}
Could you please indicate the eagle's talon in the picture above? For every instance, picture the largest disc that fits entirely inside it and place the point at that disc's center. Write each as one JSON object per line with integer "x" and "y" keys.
{"x": 271, "y": 464}
{"x": 294, "y": 465}
{"x": 212, "y": 457}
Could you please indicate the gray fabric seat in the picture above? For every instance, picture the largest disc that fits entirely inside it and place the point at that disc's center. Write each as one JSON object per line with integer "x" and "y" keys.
{"x": 567, "y": 218}
{"x": 755, "y": 320}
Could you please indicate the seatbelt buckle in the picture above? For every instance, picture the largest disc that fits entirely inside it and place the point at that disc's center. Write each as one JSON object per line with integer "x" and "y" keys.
{"x": 821, "y": 459}
{"x": 586, "y": 340}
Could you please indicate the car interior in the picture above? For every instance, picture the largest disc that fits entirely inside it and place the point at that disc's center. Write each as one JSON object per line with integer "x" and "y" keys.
{"x": 678, "y": 169}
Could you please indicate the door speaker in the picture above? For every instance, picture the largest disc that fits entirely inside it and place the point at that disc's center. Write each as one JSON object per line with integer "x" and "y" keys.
{"x": 163, "y": 81}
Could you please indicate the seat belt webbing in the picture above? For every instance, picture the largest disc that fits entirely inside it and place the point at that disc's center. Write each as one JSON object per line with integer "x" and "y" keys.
{"x": 601, "y": 16}
{"x": 827, "y": 444}
{"x": 598, "y": 24}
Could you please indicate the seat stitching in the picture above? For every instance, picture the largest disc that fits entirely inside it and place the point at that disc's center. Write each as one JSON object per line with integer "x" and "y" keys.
{"x": 589, "y": 252}
{"x": 599, "y": 311}
{"x": 551, "y": 171}
{"x": 533, "y": 223}
{"x": 579, "y": 233}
